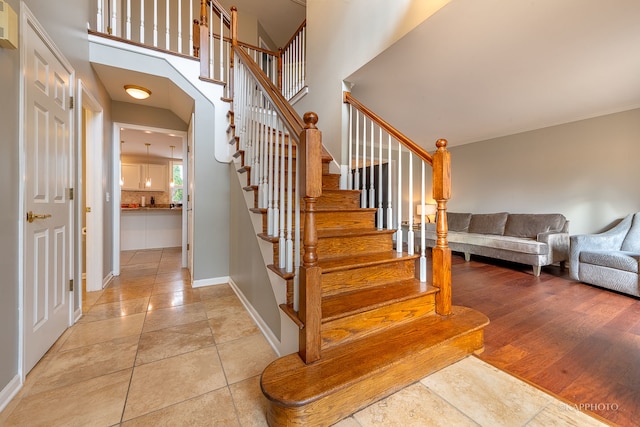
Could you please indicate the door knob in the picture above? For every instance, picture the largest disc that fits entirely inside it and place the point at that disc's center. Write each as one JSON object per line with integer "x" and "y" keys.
{"x": 31, "y": 216}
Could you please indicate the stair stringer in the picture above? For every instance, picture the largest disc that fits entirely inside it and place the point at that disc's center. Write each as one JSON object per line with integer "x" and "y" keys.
{"x": 287, "y": 342}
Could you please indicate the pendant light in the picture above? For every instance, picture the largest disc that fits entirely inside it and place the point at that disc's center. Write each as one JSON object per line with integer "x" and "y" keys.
{"x": 147, "y": 182}
{"x": 171, "y": 183}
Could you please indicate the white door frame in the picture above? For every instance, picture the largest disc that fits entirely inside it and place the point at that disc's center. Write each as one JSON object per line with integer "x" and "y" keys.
{"x": 28, "y": 19}
{"x": 116, "y": 185}
{"x": 92, "y": 134}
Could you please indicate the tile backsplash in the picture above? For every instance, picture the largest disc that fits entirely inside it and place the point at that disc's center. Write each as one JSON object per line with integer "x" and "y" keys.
{"x": 130, "y": 197}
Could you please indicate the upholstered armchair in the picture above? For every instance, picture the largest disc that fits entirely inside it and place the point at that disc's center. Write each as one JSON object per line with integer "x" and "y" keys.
{"x": 609, "y": 259}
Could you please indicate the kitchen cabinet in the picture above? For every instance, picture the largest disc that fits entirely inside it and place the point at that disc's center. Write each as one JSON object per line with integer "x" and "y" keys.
{"x": 134, "y": 176}
{"x": 150, "y": 228}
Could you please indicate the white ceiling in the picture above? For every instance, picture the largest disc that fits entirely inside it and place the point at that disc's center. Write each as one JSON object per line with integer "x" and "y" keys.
{"x": 132, "y": 143}
{"x": 482, "y": 69}
{"x": 279, "y": 18}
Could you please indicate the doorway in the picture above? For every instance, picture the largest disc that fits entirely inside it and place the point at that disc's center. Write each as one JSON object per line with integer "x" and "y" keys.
{"x": 143, "y": 154}
{"x": 90, "y": 238}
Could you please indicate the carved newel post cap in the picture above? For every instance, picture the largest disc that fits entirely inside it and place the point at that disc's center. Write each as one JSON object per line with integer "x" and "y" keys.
{"x": 234, "y": 9}
{"x": 441, "y": 143}
{"x": 310, "y": 119}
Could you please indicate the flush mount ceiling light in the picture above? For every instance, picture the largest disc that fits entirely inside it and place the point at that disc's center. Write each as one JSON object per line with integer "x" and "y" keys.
{"x": 137, "y": 92}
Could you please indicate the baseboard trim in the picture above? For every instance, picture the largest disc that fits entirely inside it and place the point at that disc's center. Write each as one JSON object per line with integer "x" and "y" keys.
{"x": 9, "y": 392}
{"x": 264, "y": 328}
{"x": 210, "y": 281}
{"x": 106, "y": 280}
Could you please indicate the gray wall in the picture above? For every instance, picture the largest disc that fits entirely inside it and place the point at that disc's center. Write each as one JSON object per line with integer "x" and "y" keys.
{"x": 587, "y": 170}
{"x": 211, "y": 186}
{"x": 9, "y": 111}
{"x": 246, "y": 266}
{"x": 67, "y": 27}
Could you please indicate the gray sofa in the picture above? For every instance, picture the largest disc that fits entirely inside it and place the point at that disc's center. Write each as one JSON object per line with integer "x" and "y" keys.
{"x": 610, "y": 259}
{"x": 533, "y": 239}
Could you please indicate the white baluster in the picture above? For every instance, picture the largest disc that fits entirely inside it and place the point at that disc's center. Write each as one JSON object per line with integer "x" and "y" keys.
{"x": 304, "y": 56}
{"x": 141, "y": 21}
{"x": 270, "y": 169}
{"x": 155, "y": 23}
{"x": 264, "y": 163}
{"x": 114, "y": 19}
{"x": 167, "y": 33}
{"x": 380, "y": 211}
{"x": 128, "y": 20}
{"x": 423, "y": 258}
{"x": 276, "y": 176}
{"x": 290, "y": 207}
{"x": 298, "y": 240}
{"x": 350, "y": 155}
{"x": 363, "y": 193}
{"x": 100, "y": 17}
{"x": 372, "y": 188}
{"x": 222, "y": 57}
{"x": 179, "y": 38}
{"x": 283, "y": 206}
{"x": 410, "y": 237}
{"x": 356, "y": 173}
{"x": 191, "y": 19}
{"x": 399, "y": 209}
{"x": 389, "y": 190}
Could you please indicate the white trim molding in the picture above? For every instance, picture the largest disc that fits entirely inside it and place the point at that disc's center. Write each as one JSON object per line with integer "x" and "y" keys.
{"x": 9, "y": 392}
{"x": 211, "y": 281}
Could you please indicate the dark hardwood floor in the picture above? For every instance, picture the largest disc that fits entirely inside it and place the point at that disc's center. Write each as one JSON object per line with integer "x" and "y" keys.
{"x": 579, "y": 342}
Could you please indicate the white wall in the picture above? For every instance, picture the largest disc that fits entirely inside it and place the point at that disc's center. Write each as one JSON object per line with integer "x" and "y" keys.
{"x": 342, "y": 36}
{"x": 587, "y": 170}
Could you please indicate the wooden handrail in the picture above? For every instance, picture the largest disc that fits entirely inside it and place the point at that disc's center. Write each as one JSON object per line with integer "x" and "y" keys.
{"x": 402, "y": 138}
{"x": 291, "y": 118}
{"x": 259, "y": 49}
{"x": 221, "y": 10}
{"x": 295, "y": 34}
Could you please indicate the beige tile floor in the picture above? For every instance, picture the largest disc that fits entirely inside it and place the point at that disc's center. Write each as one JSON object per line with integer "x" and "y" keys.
{"x": 152, "y": 351}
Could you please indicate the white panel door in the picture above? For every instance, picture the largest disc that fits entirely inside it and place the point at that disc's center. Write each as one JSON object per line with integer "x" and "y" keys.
{"x": 47, "y": 246}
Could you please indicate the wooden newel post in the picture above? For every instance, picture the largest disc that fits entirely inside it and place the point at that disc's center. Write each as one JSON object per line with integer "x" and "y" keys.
{"x": 441, "y": 252}
{"x": 204, "y": 39}
{"x": 310, "y": 157}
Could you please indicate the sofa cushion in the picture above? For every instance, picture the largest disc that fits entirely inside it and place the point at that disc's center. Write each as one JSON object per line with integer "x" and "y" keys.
{"x": 457, "y": 221}
{"x": 632, "y": 240}
{"x": 488, "y": 223}
{"x": 508, "y": 243}
{"x": 619, "y": 260}
{"x": 530, "y": 225}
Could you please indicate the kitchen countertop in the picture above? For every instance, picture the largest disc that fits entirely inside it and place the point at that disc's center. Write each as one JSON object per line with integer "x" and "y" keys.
{"x": 149, "y": 208}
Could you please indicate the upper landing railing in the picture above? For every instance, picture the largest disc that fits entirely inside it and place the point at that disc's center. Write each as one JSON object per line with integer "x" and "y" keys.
{"x": 200, "y": 29}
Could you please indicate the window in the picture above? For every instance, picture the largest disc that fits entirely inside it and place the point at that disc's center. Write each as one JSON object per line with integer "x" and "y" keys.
{"x": 176, "y": 178}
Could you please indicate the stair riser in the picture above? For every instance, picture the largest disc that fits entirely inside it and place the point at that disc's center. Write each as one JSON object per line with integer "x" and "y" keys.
{"x": 330, "y": 247}
{"x": 332, "y": 219}
{"x": 346, "y": 245}
{"x": 365, "y": 277}
{"x": 347, "y": 219}
{"x": 379, "y": 384}
{"x": 360, "y": 325}
{"x": 339, "y": 200}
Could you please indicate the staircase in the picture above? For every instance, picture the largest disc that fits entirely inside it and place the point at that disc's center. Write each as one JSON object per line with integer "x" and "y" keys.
{"x": 379, "y": 329}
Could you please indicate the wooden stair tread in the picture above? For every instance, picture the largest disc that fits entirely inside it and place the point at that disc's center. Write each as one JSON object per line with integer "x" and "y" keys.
{"x": 347, "y": 303}
{"x": 290, "y": 383}
{"x": 346, "y": 232}
{"x": 355, "y": 261}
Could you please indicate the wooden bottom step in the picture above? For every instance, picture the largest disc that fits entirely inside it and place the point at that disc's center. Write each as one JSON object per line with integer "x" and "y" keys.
{"x": 352, "y": 376}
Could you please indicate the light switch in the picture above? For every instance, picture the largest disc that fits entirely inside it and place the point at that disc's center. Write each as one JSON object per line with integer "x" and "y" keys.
{"x": 8, "y": 26}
